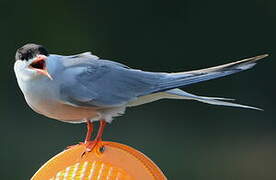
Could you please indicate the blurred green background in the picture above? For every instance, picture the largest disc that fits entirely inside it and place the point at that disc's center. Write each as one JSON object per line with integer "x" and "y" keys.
{"x": 188, "y": 140}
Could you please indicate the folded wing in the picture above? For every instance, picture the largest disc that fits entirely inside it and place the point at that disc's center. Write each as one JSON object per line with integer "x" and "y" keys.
{"x": 106, "y": 83}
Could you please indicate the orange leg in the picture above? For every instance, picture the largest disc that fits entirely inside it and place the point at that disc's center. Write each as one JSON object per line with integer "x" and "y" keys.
{"x": 88, "y": 134}
{"x": 91, "y": 144}
{"x": 100, "y": 131}
{"x": 89, "y": 131}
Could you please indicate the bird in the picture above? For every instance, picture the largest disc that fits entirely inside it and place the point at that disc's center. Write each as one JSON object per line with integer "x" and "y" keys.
{"x": 84, "y": 88}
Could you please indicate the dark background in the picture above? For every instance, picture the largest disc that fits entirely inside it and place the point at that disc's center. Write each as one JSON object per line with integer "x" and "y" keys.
{"x": 188, "y": 140}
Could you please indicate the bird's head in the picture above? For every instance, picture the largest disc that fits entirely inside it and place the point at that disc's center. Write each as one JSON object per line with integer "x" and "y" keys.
{"x": 30, "y": 61}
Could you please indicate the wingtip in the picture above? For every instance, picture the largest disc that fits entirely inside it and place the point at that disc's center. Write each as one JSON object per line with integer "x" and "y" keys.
{"x": 260, "y": 57}
{"x": 255, "y": 58}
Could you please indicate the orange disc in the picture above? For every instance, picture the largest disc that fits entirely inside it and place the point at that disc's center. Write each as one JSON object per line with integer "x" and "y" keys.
{"x": 107, "y": 161}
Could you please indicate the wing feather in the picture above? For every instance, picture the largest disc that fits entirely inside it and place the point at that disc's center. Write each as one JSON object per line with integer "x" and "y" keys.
{"x": 105, "y": 83}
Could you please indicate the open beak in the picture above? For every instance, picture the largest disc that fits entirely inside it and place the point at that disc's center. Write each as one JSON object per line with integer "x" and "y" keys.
{"x": 39, "y": 65}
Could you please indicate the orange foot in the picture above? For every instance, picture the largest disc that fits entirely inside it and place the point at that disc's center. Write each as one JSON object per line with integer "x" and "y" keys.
{"x": 90, "y": 145}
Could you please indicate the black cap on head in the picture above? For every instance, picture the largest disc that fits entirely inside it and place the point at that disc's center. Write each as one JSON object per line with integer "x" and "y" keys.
{"x": 29, "y": 51}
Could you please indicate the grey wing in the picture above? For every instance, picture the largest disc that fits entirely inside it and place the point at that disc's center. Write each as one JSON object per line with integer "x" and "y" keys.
{"x": 105, "y": 83}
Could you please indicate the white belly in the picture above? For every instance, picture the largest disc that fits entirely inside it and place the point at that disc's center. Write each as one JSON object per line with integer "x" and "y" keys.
{"x": 45, "y": 100}
{"x": 60, "y": 111}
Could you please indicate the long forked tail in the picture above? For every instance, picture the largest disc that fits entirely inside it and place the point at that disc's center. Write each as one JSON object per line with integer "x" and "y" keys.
{"x": 180, "y": 94}
{"x": 181, "y": 79}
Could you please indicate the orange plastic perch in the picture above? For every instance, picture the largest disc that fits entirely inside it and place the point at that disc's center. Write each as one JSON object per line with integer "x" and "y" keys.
{"x": 107, "y": 161}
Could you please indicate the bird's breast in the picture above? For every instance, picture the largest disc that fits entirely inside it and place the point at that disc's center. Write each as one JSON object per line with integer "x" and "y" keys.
{"x": 60, "y": 111}
{"x": 44, "y": 99}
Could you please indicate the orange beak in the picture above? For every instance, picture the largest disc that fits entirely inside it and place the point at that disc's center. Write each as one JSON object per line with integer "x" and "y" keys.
{"x": 39, "y": 64}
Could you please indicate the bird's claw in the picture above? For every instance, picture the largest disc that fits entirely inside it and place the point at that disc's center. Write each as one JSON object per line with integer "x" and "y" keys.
{"x": 89, "y": 146}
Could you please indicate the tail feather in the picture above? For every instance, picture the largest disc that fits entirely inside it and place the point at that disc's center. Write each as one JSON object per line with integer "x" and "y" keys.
{"x": 174, "y": 80}
{"x": 179, "y": 94}
{"x": 223, "y": 103}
